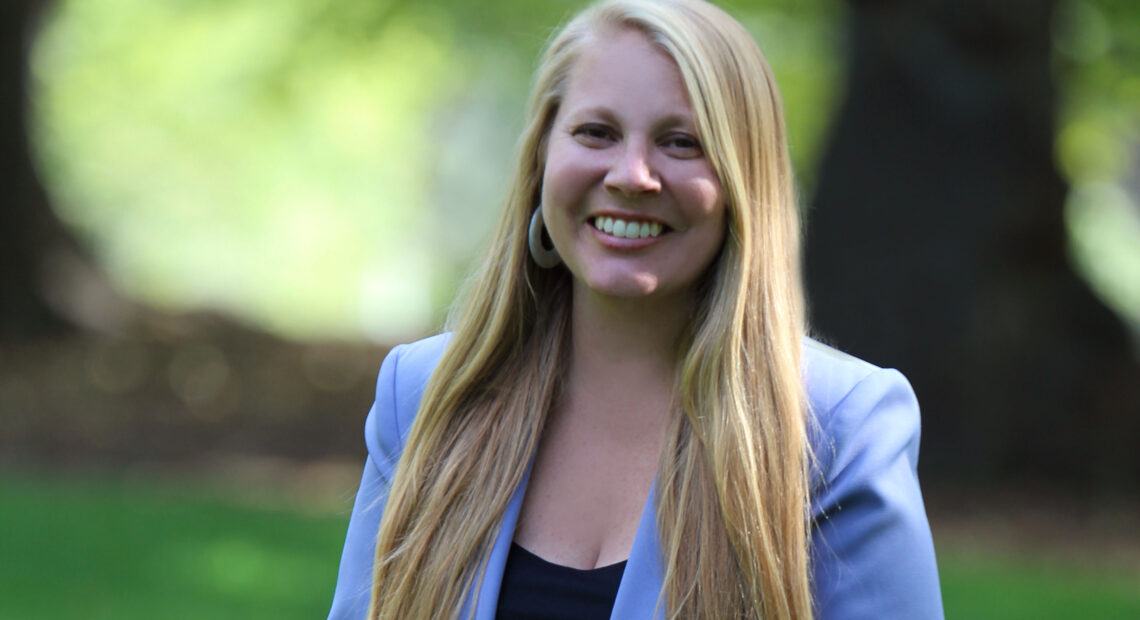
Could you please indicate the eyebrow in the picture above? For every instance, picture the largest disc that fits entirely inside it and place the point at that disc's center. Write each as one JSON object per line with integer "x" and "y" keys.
{"x": 670, "y": 121}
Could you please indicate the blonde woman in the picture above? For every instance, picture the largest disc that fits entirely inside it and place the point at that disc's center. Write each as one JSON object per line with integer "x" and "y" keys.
{"x": 627, "y": 420}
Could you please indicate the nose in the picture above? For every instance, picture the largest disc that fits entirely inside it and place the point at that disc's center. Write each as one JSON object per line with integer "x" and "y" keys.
{"x": 631, "y": 173}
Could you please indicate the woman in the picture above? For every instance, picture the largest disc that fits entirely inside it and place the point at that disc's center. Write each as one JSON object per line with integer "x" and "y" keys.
{"x": 626, "y": 420}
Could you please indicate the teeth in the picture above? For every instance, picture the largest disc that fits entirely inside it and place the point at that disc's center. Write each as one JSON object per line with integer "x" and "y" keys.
{"x": 628, "y": 230}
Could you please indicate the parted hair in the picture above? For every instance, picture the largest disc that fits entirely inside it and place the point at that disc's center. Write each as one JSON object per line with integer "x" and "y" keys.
{"x": 732, "y": 482}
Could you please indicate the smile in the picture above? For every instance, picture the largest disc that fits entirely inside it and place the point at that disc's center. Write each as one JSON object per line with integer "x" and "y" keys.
{"x": 627, "y": 229}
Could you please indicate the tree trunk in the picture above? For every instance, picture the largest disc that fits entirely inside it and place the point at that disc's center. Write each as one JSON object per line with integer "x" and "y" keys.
{"x": 50, "y": 284}
{"x": 937, "y": 245}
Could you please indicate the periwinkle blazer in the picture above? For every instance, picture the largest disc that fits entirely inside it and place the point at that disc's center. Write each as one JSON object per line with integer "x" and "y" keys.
{"x": 872, "y": 554}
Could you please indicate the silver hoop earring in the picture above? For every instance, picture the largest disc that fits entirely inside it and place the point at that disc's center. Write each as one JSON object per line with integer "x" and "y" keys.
{"x": 543, "y": 257}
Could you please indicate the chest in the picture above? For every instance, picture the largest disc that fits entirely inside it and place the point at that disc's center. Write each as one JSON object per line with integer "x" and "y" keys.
{"x": 586, "y": 494}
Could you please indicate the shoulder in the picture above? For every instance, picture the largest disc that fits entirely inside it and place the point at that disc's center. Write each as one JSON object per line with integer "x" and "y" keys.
{"x": 830, "y": 375}
{"x": 852, "y": 401}
{"x": 872, "y": 551}
{"x": 400, "y": 385}
{"x": 408, "y": 367}
{"x": 404, "y": 375}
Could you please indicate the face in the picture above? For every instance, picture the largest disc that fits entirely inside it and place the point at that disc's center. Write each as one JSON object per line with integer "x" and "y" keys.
{"x": 630, "y": 200}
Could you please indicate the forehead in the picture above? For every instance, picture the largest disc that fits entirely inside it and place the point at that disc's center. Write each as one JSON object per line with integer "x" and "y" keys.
{"x": 624, "y": 65}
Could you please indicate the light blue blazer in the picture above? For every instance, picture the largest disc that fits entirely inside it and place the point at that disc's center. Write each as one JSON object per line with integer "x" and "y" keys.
{"x": 872, "y": 554}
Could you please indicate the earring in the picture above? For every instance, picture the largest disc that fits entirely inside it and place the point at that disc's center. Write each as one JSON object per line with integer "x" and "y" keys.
{"x": 544, "y": 257}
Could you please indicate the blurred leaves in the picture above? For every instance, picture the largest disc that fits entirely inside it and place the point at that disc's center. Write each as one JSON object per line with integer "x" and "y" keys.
{"x": 1097, "y": 61}
{"x": 220, "y": 154}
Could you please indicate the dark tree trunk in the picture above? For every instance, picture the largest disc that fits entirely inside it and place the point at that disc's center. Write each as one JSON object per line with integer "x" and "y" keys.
{"x": 24, "y": 221}
{"x": 937, "y": 245}
{"x": 50, "y": 285}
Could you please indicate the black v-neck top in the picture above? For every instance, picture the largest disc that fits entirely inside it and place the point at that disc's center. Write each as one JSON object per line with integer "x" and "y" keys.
{"x": 534, "y": 589}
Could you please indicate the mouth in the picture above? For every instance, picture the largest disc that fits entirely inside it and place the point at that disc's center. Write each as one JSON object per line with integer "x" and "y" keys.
{"x": 628, "y": 229}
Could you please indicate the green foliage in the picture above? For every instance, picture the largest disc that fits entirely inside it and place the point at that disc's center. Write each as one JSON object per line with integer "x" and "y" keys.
{"x": 1097, "y": 60}
{"x": 319, "y": 167}
{"x": 225, "y": 154}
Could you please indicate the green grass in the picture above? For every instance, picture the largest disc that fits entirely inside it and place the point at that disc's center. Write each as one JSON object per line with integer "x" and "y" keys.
{"x": 989, "y": 585}
{"x": 98, "y": 548}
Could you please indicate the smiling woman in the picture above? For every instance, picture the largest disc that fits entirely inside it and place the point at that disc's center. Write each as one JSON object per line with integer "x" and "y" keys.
{"x": 632, "y": 424}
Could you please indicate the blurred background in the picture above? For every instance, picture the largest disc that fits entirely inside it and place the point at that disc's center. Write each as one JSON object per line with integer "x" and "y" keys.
{"x": 218, "y": 216}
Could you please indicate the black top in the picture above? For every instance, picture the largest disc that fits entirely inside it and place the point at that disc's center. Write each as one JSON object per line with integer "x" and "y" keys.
{"x": 534, "y": 589}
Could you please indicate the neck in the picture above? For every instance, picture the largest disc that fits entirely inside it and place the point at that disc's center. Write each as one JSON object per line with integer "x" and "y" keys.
{"x": 626, "y": 332}
{"x": 622, "y": 361}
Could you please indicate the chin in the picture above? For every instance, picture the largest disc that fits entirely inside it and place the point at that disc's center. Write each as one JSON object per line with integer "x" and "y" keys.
{"x": 625, "y": 287}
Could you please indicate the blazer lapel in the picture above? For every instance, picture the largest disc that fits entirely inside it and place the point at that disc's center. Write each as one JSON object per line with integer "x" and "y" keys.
{"x": 642, "y": 580}
{"x": 488, "y": 600}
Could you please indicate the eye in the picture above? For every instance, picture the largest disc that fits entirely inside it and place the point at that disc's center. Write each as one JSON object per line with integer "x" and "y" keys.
{"x": 682, "y": 145}
{"x": 593, "y": 134}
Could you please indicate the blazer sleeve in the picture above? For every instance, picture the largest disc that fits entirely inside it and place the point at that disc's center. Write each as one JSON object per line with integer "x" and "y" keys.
{"x": 872, "y": 552}
{"x": 384, "y": 437}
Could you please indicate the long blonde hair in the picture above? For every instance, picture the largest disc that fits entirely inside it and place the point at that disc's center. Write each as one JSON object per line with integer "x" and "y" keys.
{"x": 732, "y": 482}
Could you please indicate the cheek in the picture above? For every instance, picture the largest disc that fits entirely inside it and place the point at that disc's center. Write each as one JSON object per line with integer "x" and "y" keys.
{"x": 554, "y": 180}
{"x": 558, "y": 197}
{"x": 703, "y": 205}
{"x": 571, "y": 171}
{"x": 707, "y": 201}
{"x": 707, "y": 196}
